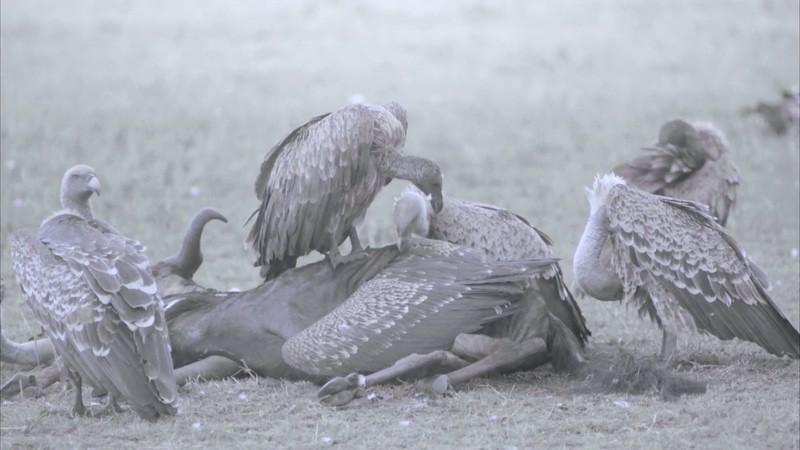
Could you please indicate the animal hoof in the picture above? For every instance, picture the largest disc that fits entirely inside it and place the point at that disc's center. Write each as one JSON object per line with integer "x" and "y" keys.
{"x": 341, "y": 391}
{"x": 438, "y": 384}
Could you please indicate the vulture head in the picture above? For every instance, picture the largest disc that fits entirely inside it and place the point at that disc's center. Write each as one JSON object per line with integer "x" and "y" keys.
{"x": 429, "y": 181}
{"x": 411, "y": 216}
{"x": 703, "y": 138}
{"x": 78, "y": 184}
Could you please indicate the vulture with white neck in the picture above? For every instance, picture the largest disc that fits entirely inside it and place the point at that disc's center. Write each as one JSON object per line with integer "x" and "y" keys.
{"x": 670, "y": 259}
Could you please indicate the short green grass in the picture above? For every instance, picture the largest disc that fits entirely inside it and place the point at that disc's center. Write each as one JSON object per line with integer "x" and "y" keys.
{"x": 522, "y": 103}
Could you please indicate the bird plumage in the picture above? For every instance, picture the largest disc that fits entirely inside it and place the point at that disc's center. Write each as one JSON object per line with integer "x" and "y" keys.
{"x": 419, "y": 303}
{"x": 502, "y": 235}
{"x": 90, "y": 288}
{"x": 690, "y": 161}
{"x": 684, "y": 270}
{"x": 316, "y": 184}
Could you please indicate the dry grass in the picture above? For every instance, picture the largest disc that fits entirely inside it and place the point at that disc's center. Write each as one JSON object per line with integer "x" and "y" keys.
{"x": 521, "y": 103}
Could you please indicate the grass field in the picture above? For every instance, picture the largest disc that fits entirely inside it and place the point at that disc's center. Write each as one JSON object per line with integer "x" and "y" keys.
{"x": 521, "y": 103}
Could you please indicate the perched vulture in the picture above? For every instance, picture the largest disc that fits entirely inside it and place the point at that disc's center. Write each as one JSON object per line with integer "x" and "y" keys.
{"x": 316, "y": 184}
{"x": 90, "y": 289}
{"x": 781, "y": 115}
{"x": 497, "y": 232}
{"x": 429, "y": 295}
{"x": 689, "y": 162}
{"x": 676, "y": 264}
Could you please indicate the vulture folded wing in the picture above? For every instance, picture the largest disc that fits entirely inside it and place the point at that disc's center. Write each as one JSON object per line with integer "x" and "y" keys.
{"x": 695, "y": 265}
{"x": 114, "y": 315}
{"x": 420, "y": 303}
{"x": 311, "y": 181}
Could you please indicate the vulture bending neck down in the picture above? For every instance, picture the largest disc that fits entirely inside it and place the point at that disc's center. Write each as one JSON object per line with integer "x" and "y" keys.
{"x": 316, "y": 184}
{"x": 90, "y": 288}
{"x": 677, "y": 265}
{"x": 690, "y": 162}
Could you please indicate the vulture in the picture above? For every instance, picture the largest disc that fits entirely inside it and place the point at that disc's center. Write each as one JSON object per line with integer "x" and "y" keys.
{"x": 690, "y": 162}
{"x": 316, "y": 184}
{"x": 782, "y": 115}
{"x": 428, "y": 295}
{"x": 672, "y": 261}
{"x": 497, "y": 232}
{"x": 90, "y": 289}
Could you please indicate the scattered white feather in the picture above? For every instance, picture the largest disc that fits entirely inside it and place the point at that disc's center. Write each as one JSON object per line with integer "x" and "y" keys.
{"x": 196, "y": 426}
{"x": 622, "y": 404}
{"x": 405, "y": 423}
{"x": 195, "y": 191}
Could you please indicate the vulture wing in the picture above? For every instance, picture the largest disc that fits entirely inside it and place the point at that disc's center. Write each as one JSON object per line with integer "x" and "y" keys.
{"x": 313, "y": 183}
{"x": 672, "y": 254}
{"x": 92, "y": 292}
{"x": 418, "y": 304}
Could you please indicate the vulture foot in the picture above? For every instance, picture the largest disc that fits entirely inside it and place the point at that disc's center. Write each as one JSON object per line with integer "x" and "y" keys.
{"x": 336, "y": 259}
{"x": 341, "y": 391}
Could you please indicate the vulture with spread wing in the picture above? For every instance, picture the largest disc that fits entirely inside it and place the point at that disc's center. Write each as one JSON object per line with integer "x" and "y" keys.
{"x": 90, "y": 288}
{"x": 690, "y": 162}
{"x": 428, "y": 296}
{"x": 316, "y": 184}
{"x": 497, "y": 232}
{"x": 676, "y": 264}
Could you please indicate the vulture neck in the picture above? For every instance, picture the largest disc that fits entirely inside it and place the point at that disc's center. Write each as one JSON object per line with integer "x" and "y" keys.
{"x": 78, "y": 206}
{"x": 592, "y": 263}
{"x": 394, "y": 164}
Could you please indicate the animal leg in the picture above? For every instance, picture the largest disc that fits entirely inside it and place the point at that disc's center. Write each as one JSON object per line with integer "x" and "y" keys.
{"x": 356, "y": 252}
{"x": 210, "y": 368}
{"x": 669, "y": 343}
{"x": 19, "y": 382}
{"x": 355, "y": 243}
{"x": 505, "y": 355}
{"x": 341, "y": 391}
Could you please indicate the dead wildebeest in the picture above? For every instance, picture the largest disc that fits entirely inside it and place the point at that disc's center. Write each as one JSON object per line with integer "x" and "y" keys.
{"x": 215, "y": 334}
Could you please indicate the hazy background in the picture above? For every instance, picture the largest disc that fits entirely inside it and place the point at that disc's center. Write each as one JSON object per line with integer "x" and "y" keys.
{"x": 521, "y": 103}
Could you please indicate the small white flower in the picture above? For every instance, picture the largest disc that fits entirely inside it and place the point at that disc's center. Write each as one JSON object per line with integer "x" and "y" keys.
{"x": 405, "y": 423}
{"x": 196, "y": 426}
{"x": 622, "y": 404}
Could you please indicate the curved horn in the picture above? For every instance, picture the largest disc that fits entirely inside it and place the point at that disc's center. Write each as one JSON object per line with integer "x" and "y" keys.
{"x": 31, "y": 353}
{"x": 188, "y": 260}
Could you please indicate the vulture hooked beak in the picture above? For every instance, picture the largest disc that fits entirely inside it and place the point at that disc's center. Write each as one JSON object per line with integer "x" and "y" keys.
{"x": 436, "y": 202}
{"x": 94, "y": 184}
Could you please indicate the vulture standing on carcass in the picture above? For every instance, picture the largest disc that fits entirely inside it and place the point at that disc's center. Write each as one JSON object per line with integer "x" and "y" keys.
{"x": 90, "y": 288}
{"x": 689, "y": 162}
{"x": 676, "y": 264}
{"x": 316, "y": 184}
{"x": 500, "y": 234}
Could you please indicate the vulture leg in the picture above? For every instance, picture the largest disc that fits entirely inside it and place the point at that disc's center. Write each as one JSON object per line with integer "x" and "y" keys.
{"x": 669, "y": 343}
{"x": 77, "y": 409}
{"x": 356, "y": 252}
{"x": 210, "y": 368}
{"x": 21, "y": 381}
{"x": 340, "y": 391}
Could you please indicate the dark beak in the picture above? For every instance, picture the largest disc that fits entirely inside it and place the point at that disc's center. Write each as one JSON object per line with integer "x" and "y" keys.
{"x": 436, "y": 202}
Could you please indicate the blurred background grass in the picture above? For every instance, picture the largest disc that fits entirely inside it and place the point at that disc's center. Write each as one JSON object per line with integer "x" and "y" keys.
{"x": 522, "y": 103}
